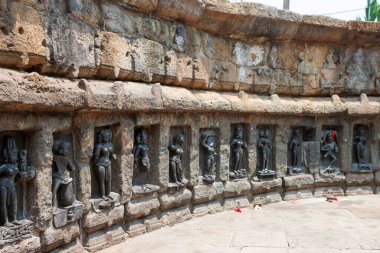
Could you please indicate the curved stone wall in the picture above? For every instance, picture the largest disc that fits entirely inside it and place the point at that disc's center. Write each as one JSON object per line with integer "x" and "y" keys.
{"x": 95, "y": 93}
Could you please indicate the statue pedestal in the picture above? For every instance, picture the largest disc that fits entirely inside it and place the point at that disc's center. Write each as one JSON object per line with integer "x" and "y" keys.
{"x": 68, "y": 214}
{"x": 19, "y": 238}
{"x": 266, "y": 174}
{"x": 99, "y": 203}
{"x": 361, "y": 168}
{"x": 173, "y": 187}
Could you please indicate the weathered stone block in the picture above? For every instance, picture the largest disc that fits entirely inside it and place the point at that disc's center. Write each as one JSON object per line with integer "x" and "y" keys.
{"x": 52, "y": 238}
{"x": 189, "y": 11}
{"x": 173, "y": 216}
{"x": 71, "y": 46}
{"x": 105, "y": 238}
{"x": 73, "y": 247}
{"x": 115, "y": 58}
{"x": 236, "y": 188}
{"x": 116, "y": 20}
{"x": 178, "y": 198}
{"x": 205, "y": 193}
{"x": 323, "y": 191}
{"x": 95, "y": 221}
{"x": 298, "y": 182}
{"x": 135, "y": 228}
{"x": 298, "y": 194}
{"x": 136, "y": 208}
{"x": 359, "y": 190}
{"x": 22, "y": 38}
{"x": 232, "y": 203}
{"x": 152, "y": 223}
{"x": 355, "y": 179}
{"x": 266, "y": 186}
{"x": 86, "y": 10}
{"x": 329, "y": 179}
{"x": 267, "y": 198}
{"x": 207, "y": 208}
{"x": 31, "y": 244}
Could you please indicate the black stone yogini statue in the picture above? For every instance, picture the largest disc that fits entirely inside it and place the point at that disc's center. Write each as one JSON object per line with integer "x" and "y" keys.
{"x": 264, "y": 146}
{"x": 237, "y": 147}
{"x": 63, "y": 191}
{"x": 329, "y": 149}
{"x": 295, "y": 146}
{"x": 103, "y": 153}
{"x": 208, "y": 144}
{"x": 12, "y": 171}
{"x": 140, "y": 153}
{"x": 361, "y": 150}
{"x": 175, "y": 161}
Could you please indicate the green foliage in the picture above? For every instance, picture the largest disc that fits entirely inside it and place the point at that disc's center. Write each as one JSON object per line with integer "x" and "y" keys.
{"x": 372, "y": 12}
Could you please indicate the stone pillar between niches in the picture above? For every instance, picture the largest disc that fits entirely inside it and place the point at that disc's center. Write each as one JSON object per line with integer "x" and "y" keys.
{"x": 346, "y": 146}
{"x": 123, "y": 149}
{"x": 283, "y": 133}
{"x": 223, "y": 156}
{"x": 85, "y": 143}
{"x": 374, "y": 136}
{"x": 251, "y": 133}
{"x": 160, "y": 177}
{"x": 40, "y": 196}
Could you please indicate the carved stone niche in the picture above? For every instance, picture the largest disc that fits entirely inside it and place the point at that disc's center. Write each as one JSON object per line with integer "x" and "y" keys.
{"x": 303, "y": 150}
{"x": 179, "y": 157}
{"x": 145, "y": 159}
{"x": 104, "y": 170}
{"x": 266, "y": 153}
{"x": 361, "y": 153}
{"x": 208, "y": 155}
{"x": 330, "y": 155}
{"x": 238, "y": 152}
{"x": 16, "y": 172}
{"x": 66, "y": 208}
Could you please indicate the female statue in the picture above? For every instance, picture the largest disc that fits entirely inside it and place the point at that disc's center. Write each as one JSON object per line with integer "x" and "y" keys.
{"x": 264, "y": 144}
{"x": 62, "y": 182}
{"x": 140, "y": 153}
{"x": 295, "y": 145}
{"x": 103, "y": 153}
{"x": 175, "y": 160}
{"x": 329, "y": 147}
{"x": 11, "y": 171}
{"x": 237, "y": 146}
{"x": 361, "y": 146}
{"x": 208, "y": 145}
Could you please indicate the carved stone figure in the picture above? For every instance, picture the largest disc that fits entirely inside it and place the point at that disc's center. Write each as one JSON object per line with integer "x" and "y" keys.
{"x": 103, "y": 153}
{"x": 208, "y": 144}
{"x": 62, "y": 181}
{"x": 237, "y": 149}
{"x": 361, "y": 151}
{"x": 66, "y": 207}
{"x": 264, "y": 146}
{"x": 329, "y": 150}
{"x": 13, "y": 170}
{"x": 295, "y": 146}
{"x": 175, "y": 161}
{"x": 141, "y": 158}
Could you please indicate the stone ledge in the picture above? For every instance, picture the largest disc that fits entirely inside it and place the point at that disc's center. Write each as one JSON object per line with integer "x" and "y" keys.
{"x": 266, "y": 186}
{"x": 298, "y": 182}
{"x": 298, "y": 194}
{"x": 175, "y": 199}
{"x": 359, "y": 190}
{"x": 236, "y": 188}
{"x": 323, "y": 191}
{"x": 235, "y": 20}
{"x": 357, "y": 179}
{"x": 57, "y": 94}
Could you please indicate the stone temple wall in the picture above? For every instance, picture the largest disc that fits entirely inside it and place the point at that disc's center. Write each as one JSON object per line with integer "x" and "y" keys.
{"x": 301, "y": 90}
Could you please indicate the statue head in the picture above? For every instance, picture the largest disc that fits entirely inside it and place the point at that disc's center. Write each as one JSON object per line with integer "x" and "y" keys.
{"x": 361, "y": 131}
{"x": 239, "y": 132}
{"x": 10, "y": 150}
{"x": 61, "y": 147}
{"x": 262, "y": 133}
{"x": 105, "y": 135}
{"x": 266, "y": 133}
{"x": 179, "y": 139}
{"x": 143, "y": 136}
{"x": 330, "y": 137}
{"x": 297, "y": 132}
